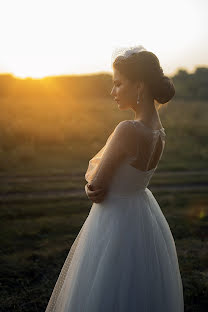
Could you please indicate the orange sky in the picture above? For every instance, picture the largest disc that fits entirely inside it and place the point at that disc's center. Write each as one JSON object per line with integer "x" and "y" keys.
{"x": 51, "y": 37}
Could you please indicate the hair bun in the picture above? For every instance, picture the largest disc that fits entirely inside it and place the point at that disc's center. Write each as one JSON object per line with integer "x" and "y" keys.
{"x": 164, "y": 91}
{"x": 145, "y": 66}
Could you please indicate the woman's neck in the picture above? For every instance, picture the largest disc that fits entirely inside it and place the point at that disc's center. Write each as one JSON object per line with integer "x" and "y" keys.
{"x": 149, "y": 115}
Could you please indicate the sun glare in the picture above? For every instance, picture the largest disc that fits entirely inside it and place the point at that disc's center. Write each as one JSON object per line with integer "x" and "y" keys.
{"x": 45, "y": 38}
{"x": 23, "y": 76}
{"x": 30, "y": 74}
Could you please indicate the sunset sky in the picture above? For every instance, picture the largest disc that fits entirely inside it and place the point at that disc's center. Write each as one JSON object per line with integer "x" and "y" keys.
{"x": 53, "y": 37}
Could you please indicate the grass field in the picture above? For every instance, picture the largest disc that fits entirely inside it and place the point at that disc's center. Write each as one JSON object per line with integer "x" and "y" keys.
{"x": 47, "y": 137}
{"x": 36, "y": 233}
{"x": 36, "y": 237}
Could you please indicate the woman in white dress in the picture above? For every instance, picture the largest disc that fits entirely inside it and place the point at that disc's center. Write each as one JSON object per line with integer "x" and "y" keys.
{"x": 124, "y": 258}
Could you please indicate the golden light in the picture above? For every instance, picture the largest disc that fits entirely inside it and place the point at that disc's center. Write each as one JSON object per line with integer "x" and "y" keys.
{"x": 43, "y": 38}
{"x": 26, "y": 75}
{"x": 31, "y": 68}
{"x": 197, "y": 208}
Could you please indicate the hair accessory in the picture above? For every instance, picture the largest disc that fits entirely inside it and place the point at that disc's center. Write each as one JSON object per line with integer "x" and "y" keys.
{"x": 126, "y": 52}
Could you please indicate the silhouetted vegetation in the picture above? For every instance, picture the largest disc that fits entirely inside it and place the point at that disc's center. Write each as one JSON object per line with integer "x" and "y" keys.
{"x": 192, "y": 86}
{"x": 79, "y": 86}
{"x": 188, "y": 86}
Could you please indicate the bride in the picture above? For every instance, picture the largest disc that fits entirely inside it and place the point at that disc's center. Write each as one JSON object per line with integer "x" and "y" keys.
{"x": 124, "y": 258}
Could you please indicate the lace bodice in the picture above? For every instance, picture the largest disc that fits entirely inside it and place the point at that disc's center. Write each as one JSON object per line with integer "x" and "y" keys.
{"x": 129, "y": 158}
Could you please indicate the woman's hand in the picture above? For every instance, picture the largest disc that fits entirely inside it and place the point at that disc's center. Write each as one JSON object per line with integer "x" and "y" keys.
{"x": 96, "y": 196}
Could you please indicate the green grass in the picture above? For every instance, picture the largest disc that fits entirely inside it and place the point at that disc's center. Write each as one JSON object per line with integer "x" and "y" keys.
{"x": 35, "y": 186}
{"x": 77, "y": 182}
{"x": 64, "y": 141}
{"x": 36, "y": 237}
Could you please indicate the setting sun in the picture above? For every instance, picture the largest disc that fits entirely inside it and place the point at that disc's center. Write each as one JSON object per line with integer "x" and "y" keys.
{"x": 32, "y": 65}
{"x": 31, "y": 72}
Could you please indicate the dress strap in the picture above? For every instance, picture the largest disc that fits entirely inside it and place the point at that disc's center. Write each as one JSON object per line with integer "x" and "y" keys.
{"x": 153, "y": 147}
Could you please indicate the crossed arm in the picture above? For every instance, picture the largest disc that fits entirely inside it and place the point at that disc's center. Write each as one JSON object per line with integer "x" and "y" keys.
{"x": 96, "y": 196}
{"x": 119, "y": 147}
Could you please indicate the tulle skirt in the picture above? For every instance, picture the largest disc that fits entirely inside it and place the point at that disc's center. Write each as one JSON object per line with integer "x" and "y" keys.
{"x": 124, "y": 259}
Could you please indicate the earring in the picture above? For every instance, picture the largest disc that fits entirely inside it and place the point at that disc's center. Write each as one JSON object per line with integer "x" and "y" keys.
{"x": 138, "y": 100}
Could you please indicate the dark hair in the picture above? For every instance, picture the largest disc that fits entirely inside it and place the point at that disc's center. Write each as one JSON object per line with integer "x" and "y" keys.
{"x": 145, "y": 66}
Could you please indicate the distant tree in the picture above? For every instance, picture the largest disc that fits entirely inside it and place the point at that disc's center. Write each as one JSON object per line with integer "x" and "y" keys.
{"x": 188, "y": 86}
{"x": 194, "y": 86}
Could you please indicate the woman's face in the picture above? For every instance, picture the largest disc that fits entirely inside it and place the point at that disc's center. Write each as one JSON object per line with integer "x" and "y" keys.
{"x": 125, "y": 92}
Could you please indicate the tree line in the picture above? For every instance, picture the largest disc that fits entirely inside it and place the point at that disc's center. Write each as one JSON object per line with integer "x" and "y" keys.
{"x": 188, "y": 86}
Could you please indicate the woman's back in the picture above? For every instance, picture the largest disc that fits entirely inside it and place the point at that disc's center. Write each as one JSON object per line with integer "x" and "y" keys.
{"x": 151, "y": 143}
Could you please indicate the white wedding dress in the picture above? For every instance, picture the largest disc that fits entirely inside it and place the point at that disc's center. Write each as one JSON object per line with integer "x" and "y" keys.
{"x": 124, "y": 258}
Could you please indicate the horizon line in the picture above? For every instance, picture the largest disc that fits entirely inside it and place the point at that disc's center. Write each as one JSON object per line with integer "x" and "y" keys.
{"x": 98, "y": 73}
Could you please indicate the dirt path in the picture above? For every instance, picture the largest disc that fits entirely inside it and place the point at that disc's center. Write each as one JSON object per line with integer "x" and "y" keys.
{"x": 61, "y": 177}
{"x": 64, "y": 194}
{"x": 68, "y": 193}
